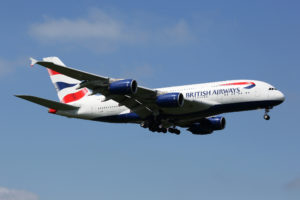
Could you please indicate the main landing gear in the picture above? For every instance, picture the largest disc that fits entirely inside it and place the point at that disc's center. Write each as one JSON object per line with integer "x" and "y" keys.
{"x": 174, "y": 130}
{"x": 155, "y": 127}
{"x": 266, "y": 116}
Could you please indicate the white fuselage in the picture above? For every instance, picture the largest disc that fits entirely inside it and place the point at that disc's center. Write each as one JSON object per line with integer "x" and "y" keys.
{"x": 223, "y": 97}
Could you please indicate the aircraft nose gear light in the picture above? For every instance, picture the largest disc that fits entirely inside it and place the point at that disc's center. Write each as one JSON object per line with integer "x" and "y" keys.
{"x": 266, "y": 116}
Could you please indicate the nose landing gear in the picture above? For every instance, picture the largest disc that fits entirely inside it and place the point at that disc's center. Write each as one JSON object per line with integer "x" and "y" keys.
{"x": 266, "y": 116}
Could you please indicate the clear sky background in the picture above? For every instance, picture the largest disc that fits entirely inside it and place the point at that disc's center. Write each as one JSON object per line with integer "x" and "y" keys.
{"x": 159, "y": 43}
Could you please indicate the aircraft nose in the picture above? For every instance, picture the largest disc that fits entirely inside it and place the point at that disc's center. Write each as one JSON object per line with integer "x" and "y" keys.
{"x": 280, "y": 97}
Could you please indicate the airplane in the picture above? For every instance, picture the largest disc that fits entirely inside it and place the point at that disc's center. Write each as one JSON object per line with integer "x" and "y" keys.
{"x": 194, "y": 107}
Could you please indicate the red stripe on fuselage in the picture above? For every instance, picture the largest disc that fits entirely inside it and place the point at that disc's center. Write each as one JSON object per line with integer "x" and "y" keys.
{"x": 52, "y": 72}
{"x": 75, "y": 96}
{"x": 238, "y": 83}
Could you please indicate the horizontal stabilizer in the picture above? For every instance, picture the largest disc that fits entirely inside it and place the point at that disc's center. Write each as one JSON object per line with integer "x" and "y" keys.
{"x": 47, "y": 103}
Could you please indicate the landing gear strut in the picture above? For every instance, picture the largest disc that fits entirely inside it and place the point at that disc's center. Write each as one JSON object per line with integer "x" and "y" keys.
{"x": 266, "y": 116}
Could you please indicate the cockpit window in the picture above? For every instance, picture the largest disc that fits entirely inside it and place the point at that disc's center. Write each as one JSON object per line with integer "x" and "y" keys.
{"x": 272, "y": 88}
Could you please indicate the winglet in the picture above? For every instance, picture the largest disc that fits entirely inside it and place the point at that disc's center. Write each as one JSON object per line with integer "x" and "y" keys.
{"x": 33, "y": 61}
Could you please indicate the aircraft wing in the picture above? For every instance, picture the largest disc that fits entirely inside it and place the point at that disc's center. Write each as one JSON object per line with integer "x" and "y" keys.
{"x": 142, "y": 102}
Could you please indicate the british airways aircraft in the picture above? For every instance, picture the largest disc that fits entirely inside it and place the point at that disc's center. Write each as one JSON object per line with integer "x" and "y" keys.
{"x": 194, "y": 107}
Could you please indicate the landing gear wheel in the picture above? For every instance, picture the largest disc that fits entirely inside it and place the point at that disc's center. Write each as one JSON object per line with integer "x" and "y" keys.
{"x": 267, "y": 117}
{"x": 171, "y": 130}
{"x": 174, "y": 130}
{"x": 177, "y": 132}
{"x": 164, "y": 130}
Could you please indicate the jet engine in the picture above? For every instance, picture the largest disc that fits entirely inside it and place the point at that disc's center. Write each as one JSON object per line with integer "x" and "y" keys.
{"x": 170, "y": 100}
{"x": 126, "y": 86}
{"x": 207, "y": 125}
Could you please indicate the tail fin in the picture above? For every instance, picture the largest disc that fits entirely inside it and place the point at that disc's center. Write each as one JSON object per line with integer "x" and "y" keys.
{"x": 65, "y": 86}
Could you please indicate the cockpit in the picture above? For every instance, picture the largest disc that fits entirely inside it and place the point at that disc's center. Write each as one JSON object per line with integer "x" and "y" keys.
{"x": 272, "y": 88}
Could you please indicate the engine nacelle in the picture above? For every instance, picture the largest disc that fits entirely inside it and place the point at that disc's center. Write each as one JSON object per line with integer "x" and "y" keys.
{"x": 170, "y": 100}
{"x": 207, "y": 125}
{"x": 126, "y": 86}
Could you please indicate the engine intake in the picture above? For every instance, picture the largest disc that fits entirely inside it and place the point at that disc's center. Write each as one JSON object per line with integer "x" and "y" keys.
{"x": 207, "y": 125}
{"x": 126, "y": 86}
{"x": 170, "y": 100}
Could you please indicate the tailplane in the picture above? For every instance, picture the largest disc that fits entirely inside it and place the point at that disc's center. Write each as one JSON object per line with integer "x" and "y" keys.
{"x": 65, "y": 86}
{"x": 52, "y": 105}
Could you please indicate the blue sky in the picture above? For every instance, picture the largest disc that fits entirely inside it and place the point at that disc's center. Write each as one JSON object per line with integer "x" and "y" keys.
{"x": 159, "y": 43}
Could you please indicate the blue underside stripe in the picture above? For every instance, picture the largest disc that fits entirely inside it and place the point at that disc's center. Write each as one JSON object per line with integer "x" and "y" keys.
{"x": 128, "y": 117}
{"x": 215, "y": 110}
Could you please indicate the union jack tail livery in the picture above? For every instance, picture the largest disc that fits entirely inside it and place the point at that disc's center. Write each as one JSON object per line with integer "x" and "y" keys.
{"x": 65, "y": 86}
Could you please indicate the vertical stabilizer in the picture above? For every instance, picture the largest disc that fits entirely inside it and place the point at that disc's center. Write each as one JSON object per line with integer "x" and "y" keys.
{"x": 65, "y": 86}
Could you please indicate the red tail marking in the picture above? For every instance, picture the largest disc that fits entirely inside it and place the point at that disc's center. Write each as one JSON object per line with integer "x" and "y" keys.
{"x": 75, "y": 96}
{"x": 52, "y": 72}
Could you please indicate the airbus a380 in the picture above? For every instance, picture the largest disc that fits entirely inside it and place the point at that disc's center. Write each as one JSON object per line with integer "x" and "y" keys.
{"x": 194, "y": 107}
